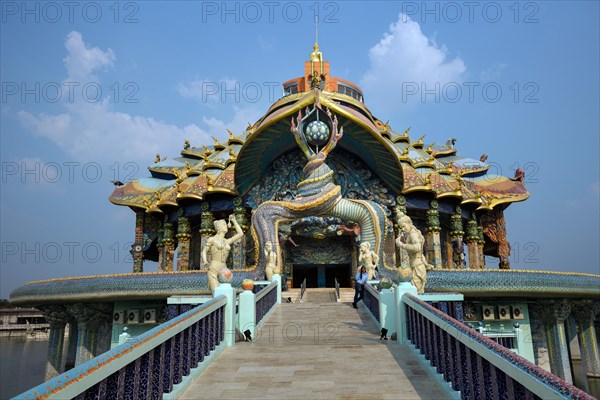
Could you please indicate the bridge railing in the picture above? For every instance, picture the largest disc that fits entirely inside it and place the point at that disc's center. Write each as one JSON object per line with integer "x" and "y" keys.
{"x": 254, "y": 307}
{"x": 475, "y": 365}
{"x": 371, "y": 300}
{"x": 265, "y": 300}
{"x": 146, "y": 366}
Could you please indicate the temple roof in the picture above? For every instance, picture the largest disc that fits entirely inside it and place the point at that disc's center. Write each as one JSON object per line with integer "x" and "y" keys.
{"x": 405, "y": 164}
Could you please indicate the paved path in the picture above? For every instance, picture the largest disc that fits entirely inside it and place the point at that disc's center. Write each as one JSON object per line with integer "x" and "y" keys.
{"x": 317, "y": 351}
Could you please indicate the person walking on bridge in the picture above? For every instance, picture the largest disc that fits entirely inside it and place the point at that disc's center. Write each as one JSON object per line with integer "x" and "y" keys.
{"x": 359, "y": 285}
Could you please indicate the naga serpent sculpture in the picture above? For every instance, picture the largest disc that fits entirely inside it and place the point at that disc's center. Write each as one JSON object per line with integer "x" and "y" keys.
{"x": 318, "y": 194}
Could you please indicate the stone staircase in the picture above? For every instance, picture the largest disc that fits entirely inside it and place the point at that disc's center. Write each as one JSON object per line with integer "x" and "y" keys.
{"x": 346, "y": 295}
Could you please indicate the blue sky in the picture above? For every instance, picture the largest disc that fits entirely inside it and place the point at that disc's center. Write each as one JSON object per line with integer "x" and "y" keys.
{"x": 92, "y": 93}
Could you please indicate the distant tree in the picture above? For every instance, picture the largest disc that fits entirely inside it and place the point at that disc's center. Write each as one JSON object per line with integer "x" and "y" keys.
{"x": 4, "y": 303}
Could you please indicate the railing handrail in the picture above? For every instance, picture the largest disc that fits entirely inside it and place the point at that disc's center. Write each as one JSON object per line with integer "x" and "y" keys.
{"x": 372, "y": 289}
{"x": 337, "y": 289}
{"x": 534, "y": 378}
{"x": 95, "y": 370}
{"x": 263, "y": 292}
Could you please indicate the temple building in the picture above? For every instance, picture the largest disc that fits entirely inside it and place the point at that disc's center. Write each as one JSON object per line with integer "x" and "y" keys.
{"x": 301, "y": 190}
{"x": 455, "y": 201}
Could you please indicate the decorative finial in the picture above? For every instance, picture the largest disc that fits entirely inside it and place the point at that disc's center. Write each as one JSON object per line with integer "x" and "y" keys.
{"x": 230, "y": 133}
{"x": 405, "y": 152}
{"x": 157, "y": 158}
{"x": 406, "y": 131}
{"x": 188, "y": 167}
{"x": 216, "y": 141}
{"x": 186, "y": 145}
{"x": 421, "y": 139}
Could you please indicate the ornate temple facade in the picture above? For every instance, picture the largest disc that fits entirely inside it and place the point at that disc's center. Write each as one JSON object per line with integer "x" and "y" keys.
{"x": 455, "y": 201}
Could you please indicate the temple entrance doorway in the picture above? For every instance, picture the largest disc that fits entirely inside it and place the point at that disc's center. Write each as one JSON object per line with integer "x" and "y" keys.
{"x": 322, "y": 260}
{"x": 322, "y": 275}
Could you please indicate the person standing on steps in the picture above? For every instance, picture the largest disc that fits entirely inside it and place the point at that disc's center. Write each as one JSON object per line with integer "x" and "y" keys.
{"x": 359, "y": 285}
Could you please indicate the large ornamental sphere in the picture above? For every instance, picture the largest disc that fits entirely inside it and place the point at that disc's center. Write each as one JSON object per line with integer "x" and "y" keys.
{"x": 385, "y": 283}
{"x": 317, "y": 133}
{"x": 224, "y": 275}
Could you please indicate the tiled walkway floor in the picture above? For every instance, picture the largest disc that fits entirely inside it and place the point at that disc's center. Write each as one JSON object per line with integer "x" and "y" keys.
{"x": 317, "y": 351}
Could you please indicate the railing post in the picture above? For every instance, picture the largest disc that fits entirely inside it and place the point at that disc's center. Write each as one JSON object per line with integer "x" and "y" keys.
{"x": 277, "y": 277}
{"x": 228, "y": 291}
{"x": 247, "y": 311}
{"x": 387, "y": 310}
{"x": 401, "y": 289}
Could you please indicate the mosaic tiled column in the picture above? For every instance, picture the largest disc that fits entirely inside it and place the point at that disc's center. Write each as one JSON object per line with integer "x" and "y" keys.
{"x": 72, "y": 345}
{"x": 538, "y": 336}
{"x": 239, "y": 247}
{"x": 57, "y": 317}
{"x": 480, "y": 245}
{"x": 472, "y": 240}
{"x": 169, "y": 247}
{"x": 455, "y": 255}
{"x": 585, "y": 314}
{"x": 90, "y": 317}
{"x": 554, "y": 314}
{"x": 434, "y": 246}
{"x": 183, "y": 240}
{"x": 207, "y": 225}
{"x": 137, "y": 253}
{"x": 161, "y": 248}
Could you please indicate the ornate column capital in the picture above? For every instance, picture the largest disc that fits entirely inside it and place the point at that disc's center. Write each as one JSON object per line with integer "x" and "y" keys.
{"x": 56, "y": 315}
{"x": 586, "y": 310}
{"x": 90, "y": 313}
{"x": 207, "y": 221}
{"x": 183, "y": 226}
{"x": 556, "y": 311}
{"x": 240, "y": 213}
{"x": 456, "y": 225}
{"x": 472, "y": 235}
{"x": 433, "y": 218}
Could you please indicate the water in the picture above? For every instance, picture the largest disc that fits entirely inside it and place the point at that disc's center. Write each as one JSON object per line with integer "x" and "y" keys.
{"x": 22, "y": 365}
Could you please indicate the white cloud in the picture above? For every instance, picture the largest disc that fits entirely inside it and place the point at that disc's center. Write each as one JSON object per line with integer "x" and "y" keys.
{"x": 82, "y": 62}
{"x": 406, "y": 55}
{"x": 95, "y": 131}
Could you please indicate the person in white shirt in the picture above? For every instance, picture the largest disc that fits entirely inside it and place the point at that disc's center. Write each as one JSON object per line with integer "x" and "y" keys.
{"x": 359, "y": 285}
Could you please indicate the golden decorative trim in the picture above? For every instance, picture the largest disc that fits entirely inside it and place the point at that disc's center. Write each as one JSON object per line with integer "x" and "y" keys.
{"x": 311, "y": 204}
{"x": 317, "y": 179}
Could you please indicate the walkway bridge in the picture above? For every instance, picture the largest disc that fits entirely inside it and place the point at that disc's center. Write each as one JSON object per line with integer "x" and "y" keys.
{"x": 311, "y": 349}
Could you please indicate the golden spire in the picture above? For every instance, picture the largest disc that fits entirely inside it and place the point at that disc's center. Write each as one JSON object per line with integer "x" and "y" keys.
{"x": 316, "y": 55}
